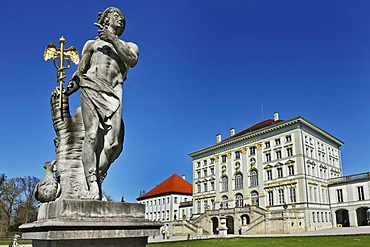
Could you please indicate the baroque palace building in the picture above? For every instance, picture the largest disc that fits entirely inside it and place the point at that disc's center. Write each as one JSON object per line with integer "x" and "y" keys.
{"x": 269, "y": 178}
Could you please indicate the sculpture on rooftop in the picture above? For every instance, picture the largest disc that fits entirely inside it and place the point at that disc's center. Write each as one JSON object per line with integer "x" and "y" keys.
{"x": 89, "y": 142}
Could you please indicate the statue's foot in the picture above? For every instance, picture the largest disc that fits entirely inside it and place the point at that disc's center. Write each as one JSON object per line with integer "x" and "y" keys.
{"x": 93, "y": 191}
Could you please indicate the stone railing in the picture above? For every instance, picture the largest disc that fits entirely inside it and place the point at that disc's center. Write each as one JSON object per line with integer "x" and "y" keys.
{"x": 345, "y": 179}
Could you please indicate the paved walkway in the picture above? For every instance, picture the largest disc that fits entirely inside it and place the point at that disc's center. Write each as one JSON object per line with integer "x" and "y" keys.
{"x": 328, "y": 232}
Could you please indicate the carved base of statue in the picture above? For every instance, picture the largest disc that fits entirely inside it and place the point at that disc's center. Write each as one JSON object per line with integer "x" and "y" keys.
{"x": 90, "y": 223}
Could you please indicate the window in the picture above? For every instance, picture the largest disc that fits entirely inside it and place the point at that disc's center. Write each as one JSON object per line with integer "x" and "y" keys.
{"x": 224, "y": 158}
{"x": 205, "y": 172}
{"x": 267, "y": 144}
{"x": 198, "y": 164}
{"x": 205, "y": 204}
{"x": 293, "y": 197}
{"x": 313, "y": 217}
{"x": 269, "y": 174}
{"x": 212, "y": 171}
{"x": 212, "y": 160}
{"x": 205, "y": 187}
{"x": 252, "y": 150}
{"x": 289, "y": 152}
{"x": 175, "y": 199}
{"x": 224, "y": 202}
{"x": 224, "y": 183}
{"x": 213, "y": 203}
{"x": 238, "y": 181}
{"x": 212, "y": 185}
{"x": 255, "y": 198}
{"x": 278, "y": 154}
{"x": 239, "y": 200}
{"x": 198, "y": 174}
{"x": 271, "y": 198}
{"x": 277, "y": 141}
{"x": 280, "y": 172}
{"x": 360, "y": 191}
{"x": 198, "y": 188}
{"x": 268, "y": 157}
{"x": 253, "y": 161}
{"x": 281, "y": 196}
{"x": 291, "y": 170}
{"x": 254, "y": 178}
{"x": 288, "y": 138}
{"x": 340, "y": 195}
{"x": 237, "y": 155}
{"x": 205, "y": 162}
{"x": 199, "y": 206}
{"x": 318, "y": 217}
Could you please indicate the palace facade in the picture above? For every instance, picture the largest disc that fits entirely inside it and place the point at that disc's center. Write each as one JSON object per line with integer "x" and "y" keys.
{"x": 277, "y": 176}
{"x": 270, "y": 177}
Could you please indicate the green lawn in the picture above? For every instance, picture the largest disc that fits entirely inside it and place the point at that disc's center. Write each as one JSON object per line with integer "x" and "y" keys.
{"x": 346, "y": 241}
{"x": 20, "y": 241}
{"x": 338, "y": 241}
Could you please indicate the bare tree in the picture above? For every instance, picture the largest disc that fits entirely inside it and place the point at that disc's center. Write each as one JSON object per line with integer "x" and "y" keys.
{"x": 10, "y": 193}
{"x": 29, "y": 205}
{"x": 2, "y": 214}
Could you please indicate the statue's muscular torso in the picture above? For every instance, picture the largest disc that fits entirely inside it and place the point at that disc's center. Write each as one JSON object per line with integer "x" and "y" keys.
{"x": 105, "y": 63}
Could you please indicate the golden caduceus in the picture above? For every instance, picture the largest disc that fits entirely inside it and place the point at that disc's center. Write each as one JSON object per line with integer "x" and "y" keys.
{"x": 63, "y": 55}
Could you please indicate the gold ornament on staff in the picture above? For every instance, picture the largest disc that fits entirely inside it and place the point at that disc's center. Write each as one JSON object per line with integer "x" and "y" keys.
{"x": 64, "y": 55}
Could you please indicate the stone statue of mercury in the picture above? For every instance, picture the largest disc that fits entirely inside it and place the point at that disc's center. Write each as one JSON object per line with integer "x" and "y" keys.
{"x": 99, "y": 77}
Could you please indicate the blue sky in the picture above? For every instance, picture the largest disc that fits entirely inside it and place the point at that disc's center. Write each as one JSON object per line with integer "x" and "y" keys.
{"x": 205, "y": 67}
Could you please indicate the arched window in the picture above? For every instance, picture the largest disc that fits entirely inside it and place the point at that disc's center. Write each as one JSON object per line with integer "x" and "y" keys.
{"x": 225, "y": 182}
{"x": 254, "y": 178}
{"x": 239, "y": 181}
{"x": 239, "y": 200}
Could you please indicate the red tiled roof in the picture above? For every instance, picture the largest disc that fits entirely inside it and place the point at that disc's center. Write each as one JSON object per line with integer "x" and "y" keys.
{"x": 255, "y": 127}
{"x": 172, "y": 185}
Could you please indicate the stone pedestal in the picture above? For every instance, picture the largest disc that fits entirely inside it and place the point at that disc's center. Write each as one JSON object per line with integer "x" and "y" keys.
{"x": 90, "y": 223}
{"x": 223, "y": 228}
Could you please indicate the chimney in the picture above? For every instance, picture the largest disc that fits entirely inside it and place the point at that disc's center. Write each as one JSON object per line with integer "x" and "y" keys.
{"x": 232, "y": 131}
{"x": 276, "y": 116}
{"x": 218, "y": 138}
{"x": 183, "y": 177}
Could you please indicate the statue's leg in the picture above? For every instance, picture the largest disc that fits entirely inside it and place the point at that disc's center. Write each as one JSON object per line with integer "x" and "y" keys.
{"x": 91, "y": 125}
{"x": 113, "y": 145}
{"x": 113, "y": 139}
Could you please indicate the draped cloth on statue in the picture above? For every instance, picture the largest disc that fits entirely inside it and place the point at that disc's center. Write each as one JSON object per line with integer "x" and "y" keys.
{"x": 101, "y": 98}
